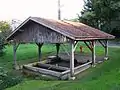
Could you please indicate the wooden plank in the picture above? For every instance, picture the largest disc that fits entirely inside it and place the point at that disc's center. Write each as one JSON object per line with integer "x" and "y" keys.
{"x": 52, "y": 66}
{"x": 79, "y": 70}
{"x": 76, "y": 68}
{"x": 42, "y": 71}
{"x": 83, "y": 65}
{"x": 34, "y": 32}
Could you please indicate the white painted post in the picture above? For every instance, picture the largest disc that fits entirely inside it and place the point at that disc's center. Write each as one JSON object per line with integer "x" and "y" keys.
{"x": 72, "y": 60}
{"x": 93, "y": 53}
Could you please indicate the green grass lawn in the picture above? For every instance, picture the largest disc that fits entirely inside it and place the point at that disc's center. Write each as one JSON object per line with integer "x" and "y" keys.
{"x": 105, "y": 76}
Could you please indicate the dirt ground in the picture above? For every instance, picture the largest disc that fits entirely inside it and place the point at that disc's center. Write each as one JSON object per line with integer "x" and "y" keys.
{"x": 80, "y": 57}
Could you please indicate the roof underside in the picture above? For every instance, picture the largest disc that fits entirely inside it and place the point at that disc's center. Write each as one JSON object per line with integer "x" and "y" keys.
{"x": 73, "y": 30}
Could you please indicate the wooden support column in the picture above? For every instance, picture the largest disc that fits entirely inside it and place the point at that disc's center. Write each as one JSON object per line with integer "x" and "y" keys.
{"x": 39, "y": 50}
{"x": 104, "y": 43}
{"x": 15, "y": 46}
{"x": 93, "y": 53}
{"x": 57, "y": 48}
{"x": 72, "y": 59}
{"x": 73, "y": 45}
{"x": 106, "y": 50}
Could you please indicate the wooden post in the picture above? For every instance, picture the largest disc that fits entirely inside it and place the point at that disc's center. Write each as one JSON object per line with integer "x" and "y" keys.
{"x": 93, "y": 53}
{"x": 72, "y": 59}
{"x": 39, "y": 51}
{"x": 14, "y": 54}
{"x": 57, "y": 48}
{"x": 106, "y": 50}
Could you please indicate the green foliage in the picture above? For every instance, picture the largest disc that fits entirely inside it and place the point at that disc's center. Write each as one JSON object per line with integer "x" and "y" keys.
{"x": 5, "y": 29}
{"x": 7, "y": 80}
{"x": 2, "y": 46}
{"x": 4, "y": 32}
{"x": 101, "y": 14}
{"x": 105, "y": 76}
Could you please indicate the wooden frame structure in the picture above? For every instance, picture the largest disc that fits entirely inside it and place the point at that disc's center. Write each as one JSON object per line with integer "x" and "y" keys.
{"x": 40, "y": 31}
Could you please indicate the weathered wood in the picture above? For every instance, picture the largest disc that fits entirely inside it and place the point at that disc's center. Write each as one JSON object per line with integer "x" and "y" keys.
{"x": 34, "y": 32}
{"x": 106, "y": 49}
{"x": 81, "y": 69}
{"x": 75, "y": 45}
{"x": 52, "y": 66}
{"x": 66, "y": 51}
{"x": 15, "y": 46}
{"x": 104, "y": 43}
{"x": 39, "y": 51}
{"x": 88, "y": 45}
{"x": 93, "y": 53}
{"x": 42, "y": 71}
{"x": 57, "y": 48}
{"x": 72, "y": 59}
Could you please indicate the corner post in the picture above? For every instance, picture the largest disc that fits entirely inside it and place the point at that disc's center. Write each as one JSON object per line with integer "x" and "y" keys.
{"x": 106, "y": 50}
{"x": 72, "y": 60}
{"x": 93, "y": 53}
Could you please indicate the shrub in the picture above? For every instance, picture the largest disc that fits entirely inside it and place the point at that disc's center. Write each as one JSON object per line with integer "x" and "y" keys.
{"x": 2, "y": 46}
{"x": 7, "y": 80}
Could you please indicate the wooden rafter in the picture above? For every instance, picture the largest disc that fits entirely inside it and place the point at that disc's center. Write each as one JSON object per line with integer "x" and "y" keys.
{"x": 75, "y": 45}
{"x": 89, "y": 45}
{"x": 103, "y": 43}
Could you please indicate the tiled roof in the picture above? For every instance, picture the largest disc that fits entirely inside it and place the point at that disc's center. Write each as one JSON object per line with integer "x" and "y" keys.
{"x": 73, "y": 30}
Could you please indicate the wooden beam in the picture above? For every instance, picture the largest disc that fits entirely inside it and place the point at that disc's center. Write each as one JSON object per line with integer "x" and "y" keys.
{"x": 39, "y": 50}
{"x": 72, "y": 59}
{"x": 88, "y": 45}
{"x": 102, "y": 43}
{"x": 64, "y": 48}
{"x": 75, "y": 45}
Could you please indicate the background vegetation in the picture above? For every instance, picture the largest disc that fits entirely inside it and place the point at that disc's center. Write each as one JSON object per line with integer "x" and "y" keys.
{"x": 102, "y": 14}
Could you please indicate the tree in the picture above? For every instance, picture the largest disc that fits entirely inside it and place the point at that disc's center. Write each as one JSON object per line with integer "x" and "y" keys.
{"x": 5, "y": 30}
{"x": 101, "y": 14}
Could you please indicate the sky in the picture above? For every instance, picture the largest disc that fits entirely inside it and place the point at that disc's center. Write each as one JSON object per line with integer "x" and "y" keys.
{"x": 22, "y": 9}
